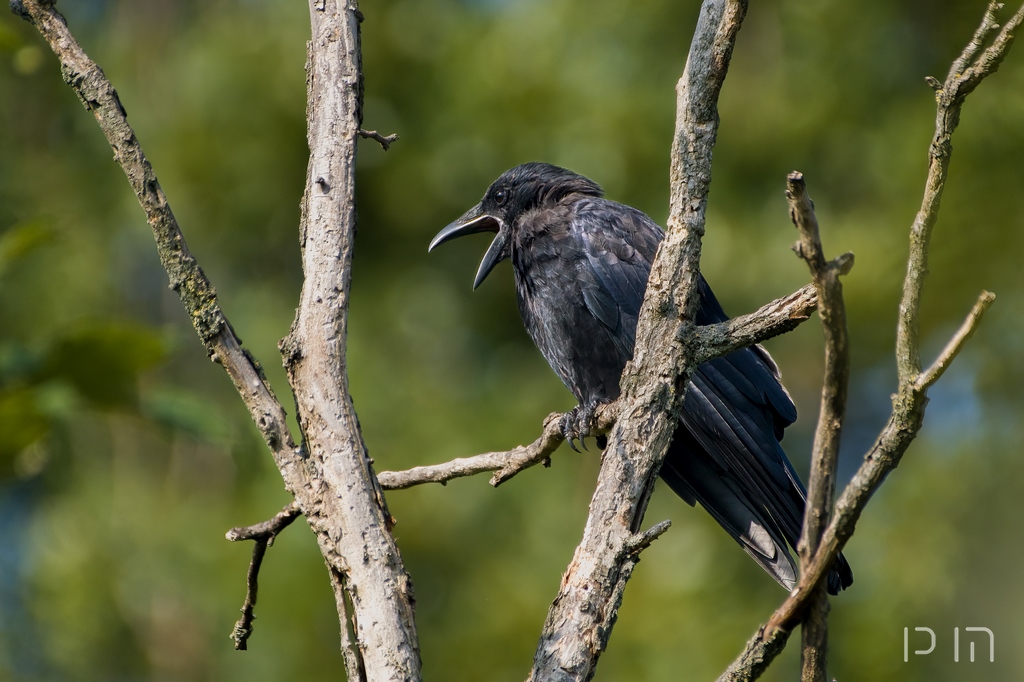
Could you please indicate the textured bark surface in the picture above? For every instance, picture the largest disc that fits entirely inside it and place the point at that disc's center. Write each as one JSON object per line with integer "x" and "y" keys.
{"x": 332, "y": 482}
{"x": 347, "y": 509}
{"x": 821, "y": 486}
{"x": 580, "y": 621}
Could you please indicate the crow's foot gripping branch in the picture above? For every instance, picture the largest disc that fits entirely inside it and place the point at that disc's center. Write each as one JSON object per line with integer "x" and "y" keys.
{"x": 579, "y": 422}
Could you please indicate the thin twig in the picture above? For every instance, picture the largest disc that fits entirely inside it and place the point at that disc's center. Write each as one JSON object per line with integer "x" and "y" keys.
{"x": 242, "y": 630}
{"x": 269, "y": 529}
{"x": 385, "y": 140}
{"x": 989, "y": 23}
{"x": 964, "y": 76}
{"x": 956, "y": 344}
{"x": 910, "y": 400}
{"x": 825, "y": 453}
{"x": 507, "y": 464}
{"x": 263, "y": 534}
{"x": 642, "y": 541}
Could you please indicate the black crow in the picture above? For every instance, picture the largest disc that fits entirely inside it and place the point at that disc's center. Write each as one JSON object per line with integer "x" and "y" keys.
{"x": 581, "y": 264}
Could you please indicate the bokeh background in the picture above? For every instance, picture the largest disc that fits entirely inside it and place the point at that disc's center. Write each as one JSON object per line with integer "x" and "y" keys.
{"x": 125, "y": 455}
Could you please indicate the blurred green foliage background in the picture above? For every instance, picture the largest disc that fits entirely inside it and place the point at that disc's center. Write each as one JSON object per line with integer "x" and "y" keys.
{"x": 125, "y": 455}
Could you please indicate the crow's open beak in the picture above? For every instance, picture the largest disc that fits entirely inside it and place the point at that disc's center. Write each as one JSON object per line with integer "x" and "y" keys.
{"x": 471, "y": 222}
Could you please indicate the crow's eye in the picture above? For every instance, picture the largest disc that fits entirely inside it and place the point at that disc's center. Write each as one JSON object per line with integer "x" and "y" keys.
{"x": 500, "y": 197}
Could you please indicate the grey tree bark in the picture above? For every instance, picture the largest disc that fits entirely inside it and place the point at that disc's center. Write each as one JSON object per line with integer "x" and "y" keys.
{"x": 329, "y": 474}
{"x": 348, "y": 512}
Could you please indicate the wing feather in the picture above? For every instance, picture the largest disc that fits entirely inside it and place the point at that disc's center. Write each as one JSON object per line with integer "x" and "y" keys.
{"x": 726, "y": 453}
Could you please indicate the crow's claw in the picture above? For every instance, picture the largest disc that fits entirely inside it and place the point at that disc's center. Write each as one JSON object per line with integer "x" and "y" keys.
{"x": 567, "y": 425}
{"x": 577, "y": 423}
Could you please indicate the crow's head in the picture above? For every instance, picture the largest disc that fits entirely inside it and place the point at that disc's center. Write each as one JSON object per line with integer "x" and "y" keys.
{"x": 518, "y": 191}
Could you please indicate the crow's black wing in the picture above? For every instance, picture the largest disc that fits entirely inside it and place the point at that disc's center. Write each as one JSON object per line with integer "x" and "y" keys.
{"x": 751, "y": 370}
{"x": 619, "y": 243}
{"x": 726, "y": 455}
{"x": 580, "y": 283}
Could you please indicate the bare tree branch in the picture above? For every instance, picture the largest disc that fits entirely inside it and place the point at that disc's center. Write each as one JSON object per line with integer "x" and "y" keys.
{"x": 385, "y": 141}
{"x": 778, "y": 317}
{"x": 711, "y": 341}
{"x": 507, "y": 464}
{"x": 242, "y": 629}
{"x": 264, "y": 534}
{"x": 580, "y": 621}
{"x": 348, "y": 513}
{"x": 835, "y": 383}
{"x": 956, "y": 344}
{"x": 760, "y": 651}
{"x": 334, "y": 485}
{"x": 911, "y": 397}
{"x": 964, "y": 76}
{"x": 269, "y": 529}
{"x": 186, "y": 278}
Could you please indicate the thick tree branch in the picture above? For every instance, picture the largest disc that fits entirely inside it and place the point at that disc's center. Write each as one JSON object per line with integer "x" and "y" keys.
{"x": 263, "y": 534}
{"x": 334, "y": 486}
{"x": 911, "y": 398}
{"x": 825, "y": 453}
{"x": 348, "y": 512}
{"x": 580, "y": 621}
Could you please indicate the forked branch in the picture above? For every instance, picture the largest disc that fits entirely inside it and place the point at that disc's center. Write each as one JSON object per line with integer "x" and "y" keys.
{"x": 332, "y": 481}
{"x": 263, "y": 535}
{"x": 973, "y": 65}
